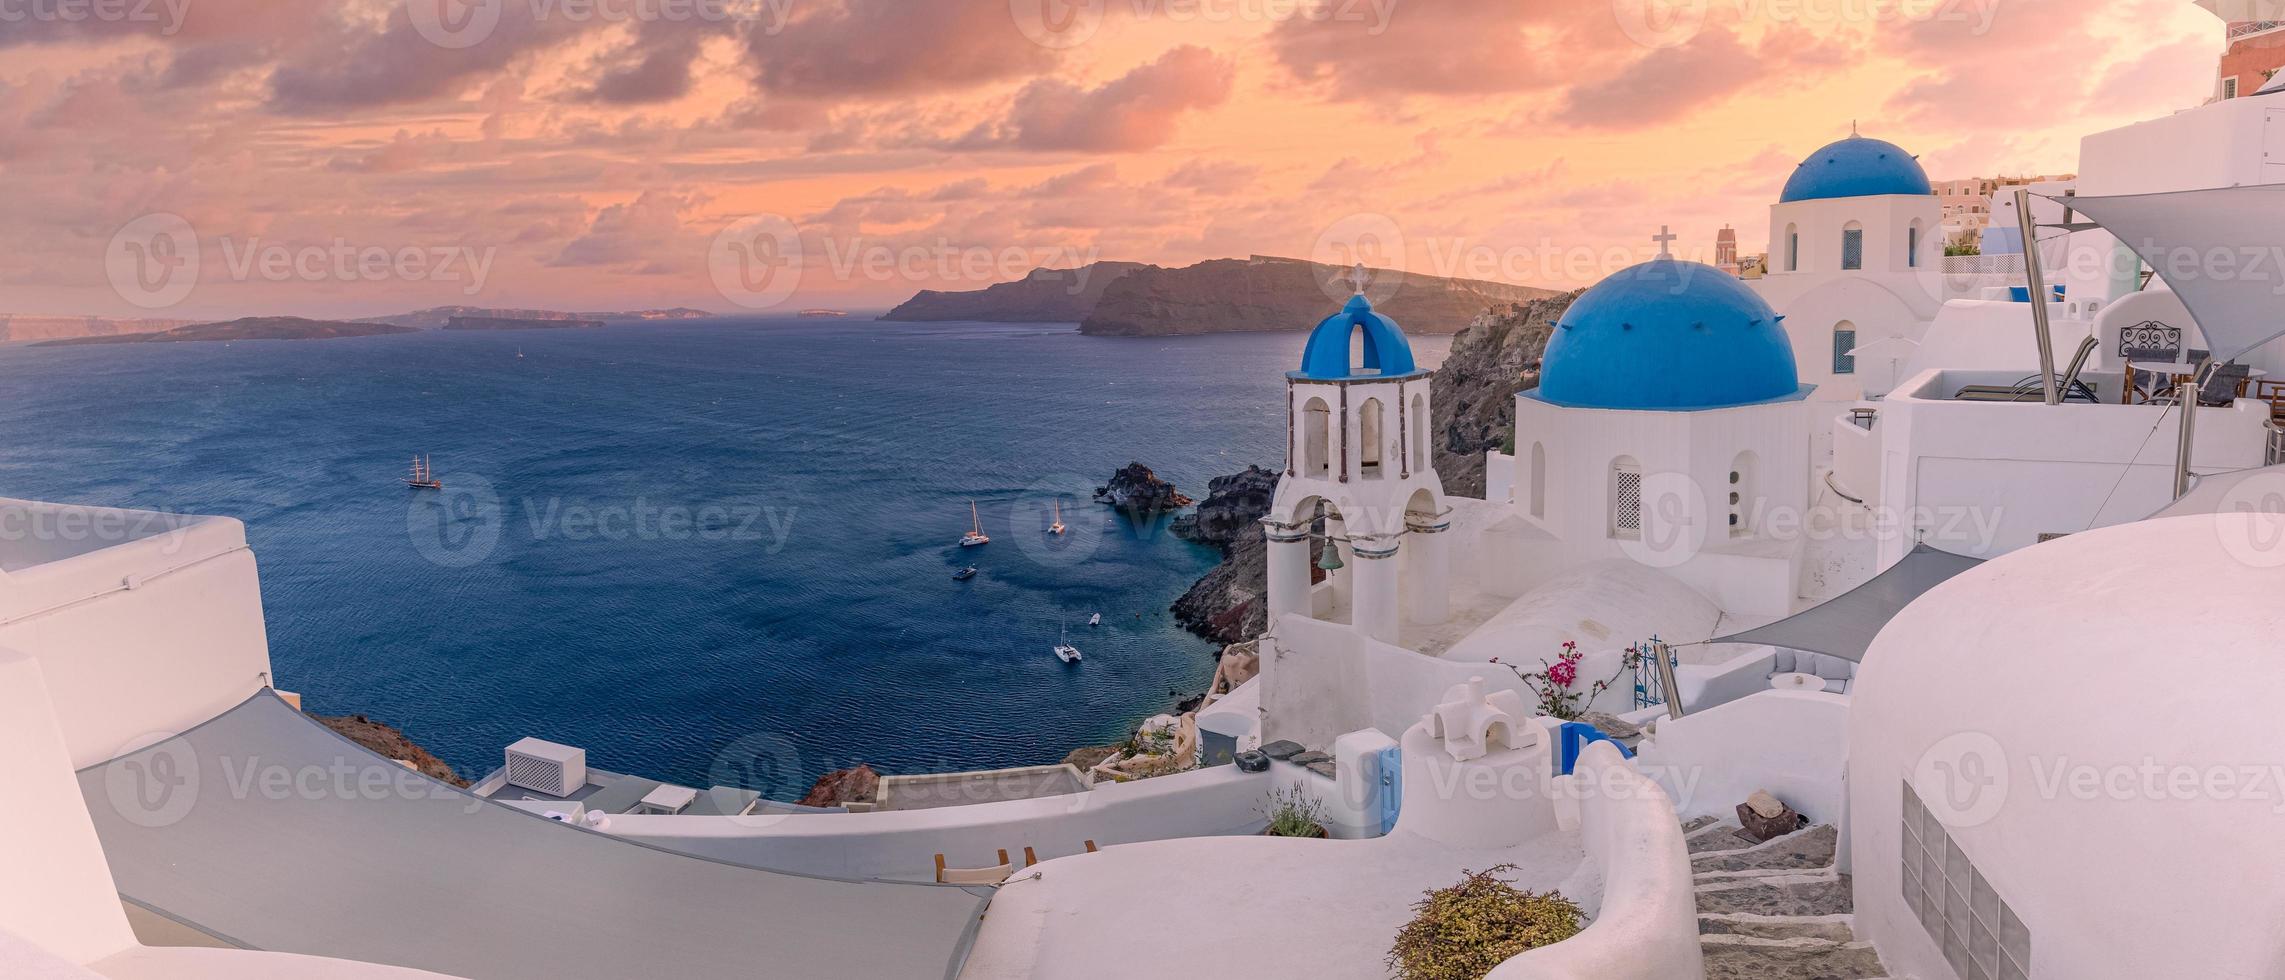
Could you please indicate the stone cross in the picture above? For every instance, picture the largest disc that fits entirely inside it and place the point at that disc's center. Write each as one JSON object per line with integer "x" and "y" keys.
{"x": 1360, "y": 278}
{"x": 1665, "y": 239}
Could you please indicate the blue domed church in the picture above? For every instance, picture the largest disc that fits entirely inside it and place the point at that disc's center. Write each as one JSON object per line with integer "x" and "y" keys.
{"x": 1671, "y": 428}
{"x": 1856, "y": 248}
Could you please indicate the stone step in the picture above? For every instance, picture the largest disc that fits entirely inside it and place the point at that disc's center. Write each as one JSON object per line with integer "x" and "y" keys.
{"x": 1719, "y": 836}
{"x": 1799, "y": 851}
{"x": 1746, "y": 958}
{"x": 1695, "y": 824}
{"x": 1831, "y": 928}
{"x": 1803, "y": 894}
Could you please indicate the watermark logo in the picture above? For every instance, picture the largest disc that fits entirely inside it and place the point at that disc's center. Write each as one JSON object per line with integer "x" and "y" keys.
{"x": 1670, "y": 534}
{"x": 153, "y": 261}
{"x": 1065, "y": 497}
{"x": 1963, "y": 779}
{"x": 756, "y": 262}
{"x": 168, "y": 14}
{"x": 156, "y": 787}
{"x": 1372, "y": 241}
{"x": 1058, "y": 24}
{"x": 455, "y": 24}
{"x": 2258, "y": 540}
{"x": 1660, "y": 23}
{"x": 458, "y": 526}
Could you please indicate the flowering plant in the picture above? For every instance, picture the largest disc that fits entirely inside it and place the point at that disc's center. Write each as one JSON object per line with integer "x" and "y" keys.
{"x": 1557, "y": 683}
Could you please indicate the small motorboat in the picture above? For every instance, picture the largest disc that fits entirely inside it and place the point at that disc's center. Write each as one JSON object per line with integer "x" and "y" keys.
{"x": 964, "y": 574}
{"x": 1095, "y": 620}
{"x": 975, "y": 535}
{"x": 1057, "y": 527}
{"x": 1064, "y": 651}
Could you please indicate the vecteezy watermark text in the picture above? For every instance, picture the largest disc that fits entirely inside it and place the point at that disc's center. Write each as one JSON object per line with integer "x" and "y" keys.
{"x": 1070, "y": 23}
{"x": 642, "y": 520}
{"x": 156, "y": 260}
{"x": 167, "y": 14}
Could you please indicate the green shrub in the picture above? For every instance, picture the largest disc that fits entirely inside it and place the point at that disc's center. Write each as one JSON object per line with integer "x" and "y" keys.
{"x": 1462, "y": 932}
{"x": 1294, "y": 813}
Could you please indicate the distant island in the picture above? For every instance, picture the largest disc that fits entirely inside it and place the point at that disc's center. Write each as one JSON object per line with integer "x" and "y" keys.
{"x": 249, "y": 328}
{"x": 441, "y": 317}
{"x": 1044, "y": 296}
{"x": 516, "y": 323}
{"x": 1259, "y": 293}
{"x": 20, "y": 326}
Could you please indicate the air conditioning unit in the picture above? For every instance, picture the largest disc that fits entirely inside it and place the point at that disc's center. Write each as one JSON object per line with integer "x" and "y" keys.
{"x": 545, "y": 767}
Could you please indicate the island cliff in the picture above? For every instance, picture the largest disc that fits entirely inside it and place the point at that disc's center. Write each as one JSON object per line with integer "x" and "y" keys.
{"x": 1044, "y": 296}
{"x": 1264, "y": 293}
{"x": 250, "y": 328}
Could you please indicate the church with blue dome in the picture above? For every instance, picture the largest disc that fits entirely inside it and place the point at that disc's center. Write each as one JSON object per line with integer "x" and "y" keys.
{"x": 1668, "y": 335}
{"x": 1856, "y": 167}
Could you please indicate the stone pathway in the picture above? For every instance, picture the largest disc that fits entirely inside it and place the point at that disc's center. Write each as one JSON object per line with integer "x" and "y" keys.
{"x": 1777, "y": 910}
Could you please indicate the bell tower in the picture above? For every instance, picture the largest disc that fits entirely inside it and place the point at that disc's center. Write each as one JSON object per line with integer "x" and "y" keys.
{"x": 1360, "y": 476}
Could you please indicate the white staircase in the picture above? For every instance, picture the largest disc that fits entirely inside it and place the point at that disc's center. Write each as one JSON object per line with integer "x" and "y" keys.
{"x": 1777, "y": 910}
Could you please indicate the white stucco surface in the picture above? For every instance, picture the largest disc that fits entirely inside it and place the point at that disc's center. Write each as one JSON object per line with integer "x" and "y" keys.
{"x": 1994, "y": 692}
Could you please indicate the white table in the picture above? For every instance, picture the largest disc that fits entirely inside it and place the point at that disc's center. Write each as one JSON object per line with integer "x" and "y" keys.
{"x": 1796, "y": 682}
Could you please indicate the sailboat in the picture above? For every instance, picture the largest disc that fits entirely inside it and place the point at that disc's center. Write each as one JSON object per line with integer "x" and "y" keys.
{"x": 1057, "y": 527}
{"x": 975, "y": 535}
{"x": 1064, "y": 651}
{"x": 422, "y": 478}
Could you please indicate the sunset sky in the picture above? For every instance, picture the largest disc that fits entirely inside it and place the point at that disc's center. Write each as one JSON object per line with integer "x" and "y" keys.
{"x": 590, "y": 154}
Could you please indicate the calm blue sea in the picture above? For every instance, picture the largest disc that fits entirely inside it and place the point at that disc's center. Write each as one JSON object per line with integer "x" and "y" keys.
{"x": 710, "y": 551}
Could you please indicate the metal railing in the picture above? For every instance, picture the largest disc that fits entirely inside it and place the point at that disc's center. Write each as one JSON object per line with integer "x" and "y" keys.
{"x": 2251, "y": 28}
{"x": 2276, "y": 443}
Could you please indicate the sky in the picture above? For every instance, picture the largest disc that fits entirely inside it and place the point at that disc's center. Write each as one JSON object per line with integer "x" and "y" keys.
{"x": 202, "y": 159}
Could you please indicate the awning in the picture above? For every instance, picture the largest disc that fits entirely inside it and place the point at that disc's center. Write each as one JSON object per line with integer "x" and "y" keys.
{"x": 2239, "y": 11}
{"x": 270, "y": 831}
{"x": 1844, "y": 625}
{"x": 2217, "y": 249}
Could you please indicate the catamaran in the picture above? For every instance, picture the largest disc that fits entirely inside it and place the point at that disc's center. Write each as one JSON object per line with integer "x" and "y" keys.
{"x": 1057, "y": 527}
{"x": 422, "y": 478}
{"x": 1064, "y": 651}
{"x": 975, "y": 535}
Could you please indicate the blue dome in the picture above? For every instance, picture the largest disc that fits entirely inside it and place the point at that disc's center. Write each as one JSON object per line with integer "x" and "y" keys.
{"x": 1856, "y": 167}
{"x": 1668, "y": 335}
{"x": 1326, "y": 358}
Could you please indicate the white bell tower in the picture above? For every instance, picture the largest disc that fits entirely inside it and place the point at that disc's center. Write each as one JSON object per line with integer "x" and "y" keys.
{"x": 1359, "y": 456}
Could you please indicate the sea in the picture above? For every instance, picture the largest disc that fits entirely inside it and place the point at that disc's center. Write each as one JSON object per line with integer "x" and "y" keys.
{"x": 714, "y": 552}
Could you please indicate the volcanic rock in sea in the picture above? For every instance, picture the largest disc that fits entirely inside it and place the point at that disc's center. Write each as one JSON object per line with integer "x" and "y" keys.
{"x": 858, "y": 785}
{"x": 1140, "y": 493}
{"x": 1234, "y": 506}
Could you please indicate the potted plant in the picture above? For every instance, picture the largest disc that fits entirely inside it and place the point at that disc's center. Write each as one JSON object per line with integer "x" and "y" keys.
{"x": 1557, "y": 683}
{"x": 1292, "y": 812}
{"x": 1463, "y": 932}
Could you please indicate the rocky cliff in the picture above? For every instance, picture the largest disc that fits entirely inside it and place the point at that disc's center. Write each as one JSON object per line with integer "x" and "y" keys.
{"x": 518, "y": 323}
{"x": 858, "y": 785}
{"x": 1264, "y": 293}
{"x": 1227, "y": 605}
{"x": 250, "y": 328}
{"x": 390, "y": 743}
{"x": 1474, "y": 391}
{"x": 440, "y": 317}
{"x": 1045, "y": 296}
{"x": 21, "y": 327}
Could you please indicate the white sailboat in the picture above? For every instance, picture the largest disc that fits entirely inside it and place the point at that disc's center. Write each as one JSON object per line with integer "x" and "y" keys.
{"x": 975, "y": 535}
{"x": 1095, "y": 620}
{"x": 1057, "y": 527}
{"x": 1064, "y": 651}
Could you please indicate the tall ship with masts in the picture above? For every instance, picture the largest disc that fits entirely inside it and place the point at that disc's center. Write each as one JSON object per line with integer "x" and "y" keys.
{"x": 422, "y": 477}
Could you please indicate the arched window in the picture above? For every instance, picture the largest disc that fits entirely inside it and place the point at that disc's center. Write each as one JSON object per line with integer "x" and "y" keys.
{"x": 1370, "y": 435}
{"x": 1538, "y": 496}
{"x": 1316, "y": 429}
{"x": 1852, "y": 245}
{"x": 1792, "y": 248}
{"x": 1844, "y": 341}
{"x": 1743, "y": 499}
{"x": 1912, "y": 245}
{"x": 1626, "y": 499}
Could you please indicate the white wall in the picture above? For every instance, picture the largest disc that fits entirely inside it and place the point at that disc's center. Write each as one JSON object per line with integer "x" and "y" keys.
{"x": 1792, "y": 743}
{"x": 138, "y": 636}
{"x": 903, "y": 844}
{"x": 55, "y": 885}
{"x": 2224, "y": 144}
{"x": 1647, "y": 926}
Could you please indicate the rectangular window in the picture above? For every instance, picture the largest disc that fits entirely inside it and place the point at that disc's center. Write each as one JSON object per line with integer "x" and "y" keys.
{"x": 1852, "y": 249}
{"x": 1844, "y": 341}
{"x": 1626, "y": 503}
{"x": 1978, "y": 932}
{"x": 1912, "y": 247}
{"x": 2229, "y": 88}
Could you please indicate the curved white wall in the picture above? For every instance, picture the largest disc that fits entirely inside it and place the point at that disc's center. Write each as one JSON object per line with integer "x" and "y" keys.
{"x": 1795, "y": 744}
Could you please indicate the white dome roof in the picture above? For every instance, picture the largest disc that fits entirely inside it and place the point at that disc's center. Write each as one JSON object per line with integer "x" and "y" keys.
{"x": 2149, "y": 644}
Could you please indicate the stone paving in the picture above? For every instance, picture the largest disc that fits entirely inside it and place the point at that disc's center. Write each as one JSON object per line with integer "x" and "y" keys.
{"x": 1777, "y": 910}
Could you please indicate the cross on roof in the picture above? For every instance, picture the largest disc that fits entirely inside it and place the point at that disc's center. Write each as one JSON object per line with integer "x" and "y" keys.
{"x": 1359, "y": 278}
{"x": 1665, "y": 239}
